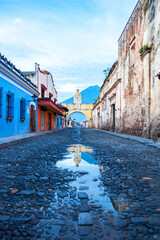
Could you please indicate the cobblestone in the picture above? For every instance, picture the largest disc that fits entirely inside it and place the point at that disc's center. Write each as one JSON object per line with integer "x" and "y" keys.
{"x": 38, "y": 201}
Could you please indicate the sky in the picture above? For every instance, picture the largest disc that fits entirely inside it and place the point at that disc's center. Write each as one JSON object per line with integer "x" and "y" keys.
{"x": 78, "y": 116}
{"x": 75, "y": 40}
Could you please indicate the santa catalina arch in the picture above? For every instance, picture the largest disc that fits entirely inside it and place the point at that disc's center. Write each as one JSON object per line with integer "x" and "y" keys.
{"x": 77, "y": 106}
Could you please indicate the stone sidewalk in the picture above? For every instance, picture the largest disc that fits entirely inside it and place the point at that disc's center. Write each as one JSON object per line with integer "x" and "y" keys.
{"x": 11, "y": 140}
{"x": 145, "y": 141}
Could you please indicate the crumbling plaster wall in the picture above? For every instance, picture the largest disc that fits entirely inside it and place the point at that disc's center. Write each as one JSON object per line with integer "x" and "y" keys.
{"x": 130, "y": 71}
{"x": 140, "y": 88}
{"x": 152, "y": 33}
{"x": 110, "y": 94}
{"x": 137, "y": 94}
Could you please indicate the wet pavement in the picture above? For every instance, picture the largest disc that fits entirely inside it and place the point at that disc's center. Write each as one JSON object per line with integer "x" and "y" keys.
{"x": 80, "y": 184}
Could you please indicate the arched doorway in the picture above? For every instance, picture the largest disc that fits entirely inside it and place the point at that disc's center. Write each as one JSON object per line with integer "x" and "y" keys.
{"x": 32, "y": 124}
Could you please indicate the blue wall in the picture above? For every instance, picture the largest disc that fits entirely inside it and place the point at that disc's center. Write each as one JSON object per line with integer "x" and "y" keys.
{"x": 59, "y": 122}
{"x": 16, "y": 126}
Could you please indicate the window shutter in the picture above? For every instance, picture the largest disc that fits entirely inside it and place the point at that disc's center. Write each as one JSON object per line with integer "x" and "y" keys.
{"x": 0, "y": 102}
{"x": 11, "y": 113}
{"x": 22, "y": 108}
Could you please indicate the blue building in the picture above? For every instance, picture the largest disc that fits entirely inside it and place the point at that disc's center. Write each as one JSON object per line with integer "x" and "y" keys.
{"x": 61, "y": 119}
{"x": 18, "y": 101}
{"x": 59, "y": 122}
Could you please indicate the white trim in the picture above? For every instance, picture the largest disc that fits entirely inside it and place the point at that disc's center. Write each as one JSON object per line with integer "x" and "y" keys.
{"x": 15, "y": 84}
{"x": 13, "y": 76}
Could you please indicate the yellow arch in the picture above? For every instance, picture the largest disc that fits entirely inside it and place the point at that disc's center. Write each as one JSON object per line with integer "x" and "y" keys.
{"x": 77, "y": 106}
{"x": 85, "y": 109}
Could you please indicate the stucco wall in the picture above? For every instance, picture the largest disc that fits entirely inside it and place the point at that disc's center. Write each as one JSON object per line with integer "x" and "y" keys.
{"x": 14, "y": 126}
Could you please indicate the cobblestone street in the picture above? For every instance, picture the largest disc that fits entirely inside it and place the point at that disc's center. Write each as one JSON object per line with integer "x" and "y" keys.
{"x": 42, "y": 199}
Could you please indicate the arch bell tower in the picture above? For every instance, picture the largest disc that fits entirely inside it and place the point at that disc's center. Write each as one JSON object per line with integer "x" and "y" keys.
{"x": 77, "y": 99}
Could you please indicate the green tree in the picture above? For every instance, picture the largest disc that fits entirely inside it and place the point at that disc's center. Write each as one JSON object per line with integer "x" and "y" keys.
{"x": 106, "y": 71}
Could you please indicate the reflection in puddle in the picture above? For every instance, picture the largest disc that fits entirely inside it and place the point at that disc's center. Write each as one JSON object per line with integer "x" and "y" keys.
{"x": 80, "y": 160}
{"x": 120, "y": 204}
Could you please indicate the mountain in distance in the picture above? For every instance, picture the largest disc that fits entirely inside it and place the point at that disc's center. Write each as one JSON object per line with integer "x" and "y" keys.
{"x": 89, "y": 95}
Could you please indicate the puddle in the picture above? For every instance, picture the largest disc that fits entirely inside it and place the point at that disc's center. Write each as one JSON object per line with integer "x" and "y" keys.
{"x": 80, "y": 160}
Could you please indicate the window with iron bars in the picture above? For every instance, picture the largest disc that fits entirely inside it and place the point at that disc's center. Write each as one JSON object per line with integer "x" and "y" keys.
{"x": 1, "y": 102}
{"x": 22, "y": 109}
{"x": 10, "y": 105}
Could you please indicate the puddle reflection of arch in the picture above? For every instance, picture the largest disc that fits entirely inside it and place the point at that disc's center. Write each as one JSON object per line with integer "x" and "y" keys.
{"x": 77, "y": 149}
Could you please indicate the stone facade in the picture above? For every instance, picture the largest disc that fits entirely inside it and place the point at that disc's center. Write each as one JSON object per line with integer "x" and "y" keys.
{"x": 96, "y": 116}
{"x": 130, "y": 94}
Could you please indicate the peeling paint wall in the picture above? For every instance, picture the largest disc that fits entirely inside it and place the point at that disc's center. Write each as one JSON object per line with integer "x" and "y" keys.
{"x": 141, "y": 87}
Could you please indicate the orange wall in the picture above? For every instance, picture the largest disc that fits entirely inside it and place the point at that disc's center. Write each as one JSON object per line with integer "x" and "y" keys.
{"x": 46, "y": 120}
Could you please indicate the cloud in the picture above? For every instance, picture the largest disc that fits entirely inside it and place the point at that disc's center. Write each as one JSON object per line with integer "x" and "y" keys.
{"x": 75, "y": 42}
{"x": 17, "y": 21}
{"x": 70, "y": 87}
{"x": 65, "y": 47}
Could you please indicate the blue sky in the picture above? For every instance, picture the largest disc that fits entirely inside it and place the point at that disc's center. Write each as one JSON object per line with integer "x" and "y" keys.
{"x": 75, "y": 40}
{"x": 78, "y": 116}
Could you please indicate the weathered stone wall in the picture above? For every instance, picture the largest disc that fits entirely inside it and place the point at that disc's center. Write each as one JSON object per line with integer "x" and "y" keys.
{"x": 130, "y": 71}
{"x": 132, "y": 85}
{"x": 140, "y": 87}
{"x": 96, "y": 116}
{"x": 152, "y": 31}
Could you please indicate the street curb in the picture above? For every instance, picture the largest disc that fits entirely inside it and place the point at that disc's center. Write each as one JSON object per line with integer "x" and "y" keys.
{"x": 144, "y": 141}
{"x": 8, "y": 144}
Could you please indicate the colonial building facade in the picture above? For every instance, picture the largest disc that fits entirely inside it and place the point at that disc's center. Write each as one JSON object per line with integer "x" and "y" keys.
{"x": 18, "y": 102}
{"x": 129, "y": 100}
{"x": 48, "y": 110}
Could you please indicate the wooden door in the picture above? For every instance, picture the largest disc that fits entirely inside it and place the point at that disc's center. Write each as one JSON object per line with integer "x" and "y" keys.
{"x": 31, "y": 118}
{"x": 32, "y": 126}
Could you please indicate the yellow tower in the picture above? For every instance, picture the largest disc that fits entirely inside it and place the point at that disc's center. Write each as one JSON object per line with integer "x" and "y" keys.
{"x": 77, "y": 99}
